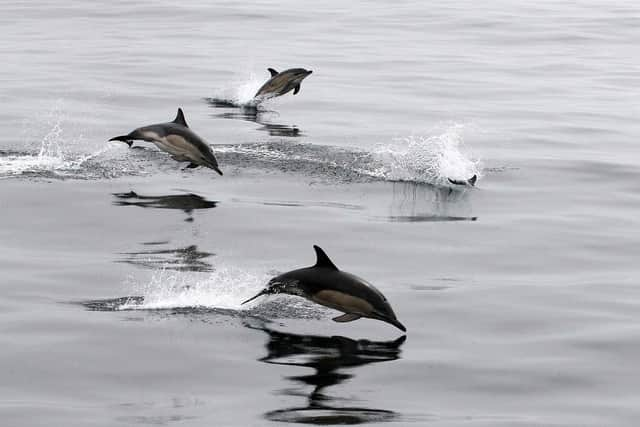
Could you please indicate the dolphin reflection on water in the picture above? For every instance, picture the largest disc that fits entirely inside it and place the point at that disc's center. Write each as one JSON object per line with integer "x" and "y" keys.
{"x": 327, "y": 356}
{"x": 185, "y": 202}
{"x": 188, "y": 258}
{"x": 255, "y": 114}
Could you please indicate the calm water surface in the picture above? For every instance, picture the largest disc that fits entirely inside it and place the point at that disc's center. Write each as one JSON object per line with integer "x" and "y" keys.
{"x": 123, "y": 274}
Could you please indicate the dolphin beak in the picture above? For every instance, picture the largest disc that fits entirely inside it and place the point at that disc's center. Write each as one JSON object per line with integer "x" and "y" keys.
{"x": 262, "y": 292}
{"x": 122, "y": 138}
{"x": 388, "y": 319}
{"x": 398, "y": 325}
{"x": 393, "y": 321}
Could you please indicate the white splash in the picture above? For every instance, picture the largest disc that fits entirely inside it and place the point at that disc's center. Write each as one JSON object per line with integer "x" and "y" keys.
{"x": 225, "y": 288}
{"x": 51, "y": 153}
{"x": 431, "y": 159}
{"x": 241, "y": 92}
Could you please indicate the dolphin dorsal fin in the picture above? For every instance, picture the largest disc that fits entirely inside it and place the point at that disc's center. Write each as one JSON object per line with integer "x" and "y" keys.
{"x": 322, "y": 260}
{"x": 180, "y": 118}
{"x": 272, "y": 71}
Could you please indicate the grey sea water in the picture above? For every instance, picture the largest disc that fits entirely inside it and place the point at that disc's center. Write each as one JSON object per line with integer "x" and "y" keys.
{"x": 122, "y": 275}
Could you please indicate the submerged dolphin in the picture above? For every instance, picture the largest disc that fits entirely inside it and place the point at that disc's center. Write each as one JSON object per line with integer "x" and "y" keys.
{"x": 326, "y": 285}
{"x": 176, "y": 139}
{"x": 281, "y": 83}
{"x": 470, "y": 182}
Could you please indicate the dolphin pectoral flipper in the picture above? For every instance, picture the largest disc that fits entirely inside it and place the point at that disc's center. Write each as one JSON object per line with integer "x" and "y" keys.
{"x": 347, "y": 317}
{"x": 272, "y": 71}
{"x": 192, "y": 166}
{"x": 296, "y": 90}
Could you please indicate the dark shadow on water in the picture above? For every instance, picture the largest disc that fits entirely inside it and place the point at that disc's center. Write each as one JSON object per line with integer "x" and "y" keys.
{"x": 430, "y": 218}
{"x": 112, "y": 304}
{"x": 256, "y": 114}
{"x": 134, "y": 304}
{"x": 327, "y": 356}
{"x": 272, "y": 310}
{"x": 188, "y": 258}
{"x": 302, "y": 204}
{"x": 185, "y": 202}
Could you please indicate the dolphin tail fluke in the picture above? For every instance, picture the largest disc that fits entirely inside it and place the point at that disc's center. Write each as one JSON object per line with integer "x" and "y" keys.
{"x": 123, "y": 138}
{"x": 262, "y": 292}
{"x": 296, "y": 90}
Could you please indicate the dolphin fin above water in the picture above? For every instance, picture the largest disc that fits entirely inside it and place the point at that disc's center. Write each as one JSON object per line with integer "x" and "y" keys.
{"x": 347, "y": 317}
{"x": 272, "y": 71}
{"x": 180, "y": 118}
{"x": 322, "y": 260}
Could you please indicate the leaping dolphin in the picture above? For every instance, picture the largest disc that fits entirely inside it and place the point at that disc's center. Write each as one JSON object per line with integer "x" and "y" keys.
{"x": 324, "y": 284}
{"x": 281, "y": 83}
{"x": 176, "y": 139}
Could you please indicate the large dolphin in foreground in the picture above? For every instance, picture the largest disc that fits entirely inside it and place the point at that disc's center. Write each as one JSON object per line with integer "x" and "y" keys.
{"x": 281, "y": 83}
{"x": 176, "y": 139}
{"x": 324, "y": 284}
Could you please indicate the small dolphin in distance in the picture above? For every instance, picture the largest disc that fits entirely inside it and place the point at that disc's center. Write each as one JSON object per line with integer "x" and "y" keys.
{"x": 281, "y": 83}
{"x": 326, "y": 285}
{"x": 176, "y": 139}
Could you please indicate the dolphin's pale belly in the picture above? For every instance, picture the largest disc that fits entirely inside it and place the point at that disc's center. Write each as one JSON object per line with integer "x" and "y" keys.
{"x": 173, "y": 144}
{"x": 278, "y": 86}
{"x": 343, "y": 302}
